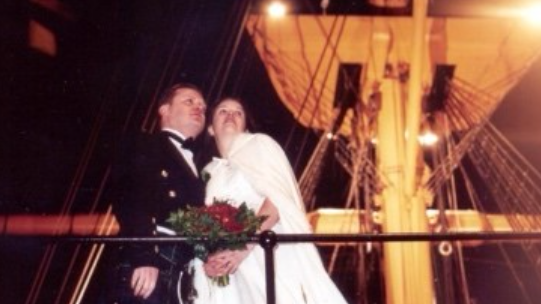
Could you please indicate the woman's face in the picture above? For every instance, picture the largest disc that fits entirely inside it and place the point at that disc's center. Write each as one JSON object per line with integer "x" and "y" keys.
{"x": 228, "y": 118}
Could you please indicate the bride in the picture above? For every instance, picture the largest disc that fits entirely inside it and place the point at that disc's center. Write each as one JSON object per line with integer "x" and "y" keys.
{"x": 254, "y": 169}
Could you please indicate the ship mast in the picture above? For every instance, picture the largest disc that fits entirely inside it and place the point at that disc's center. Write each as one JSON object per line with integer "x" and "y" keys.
{"x": 407, "y": 266}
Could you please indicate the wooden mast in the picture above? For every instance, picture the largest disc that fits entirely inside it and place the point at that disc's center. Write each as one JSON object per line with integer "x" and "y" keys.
{"x": 394, "y": 54}
{"x": 407, "y": 266}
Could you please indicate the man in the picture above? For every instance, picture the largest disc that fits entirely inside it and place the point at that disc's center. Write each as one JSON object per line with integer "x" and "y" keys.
{"x": 156, "y": 176}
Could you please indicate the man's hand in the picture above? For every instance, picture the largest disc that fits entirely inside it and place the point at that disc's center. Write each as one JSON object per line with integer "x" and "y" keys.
{"x": 143, "y": 281}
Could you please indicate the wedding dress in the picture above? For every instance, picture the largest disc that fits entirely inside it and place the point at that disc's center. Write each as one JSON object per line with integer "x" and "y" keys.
{"x": 254, "y": 169}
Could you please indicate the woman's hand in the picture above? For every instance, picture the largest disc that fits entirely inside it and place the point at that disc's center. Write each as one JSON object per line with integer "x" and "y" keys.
{"x": 226, "y": 262}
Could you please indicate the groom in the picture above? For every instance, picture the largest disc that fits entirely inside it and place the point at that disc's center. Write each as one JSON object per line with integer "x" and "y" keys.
{"x": 156, "y": 176}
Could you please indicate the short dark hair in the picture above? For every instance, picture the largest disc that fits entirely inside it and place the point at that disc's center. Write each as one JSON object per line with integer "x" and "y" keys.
{"x": 250, "y": 121}
{"x": 169, "y": 93}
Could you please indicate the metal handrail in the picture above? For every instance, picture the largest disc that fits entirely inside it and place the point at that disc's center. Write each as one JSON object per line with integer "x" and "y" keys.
{"x": 268, "y": 240}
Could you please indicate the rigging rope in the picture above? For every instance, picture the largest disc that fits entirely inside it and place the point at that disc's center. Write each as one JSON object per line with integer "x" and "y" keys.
{"x": 173, "y": 63}
{"x": 225, "y": 63}
{"x": 512, "y": 181}
{"x": 66, "y": 207}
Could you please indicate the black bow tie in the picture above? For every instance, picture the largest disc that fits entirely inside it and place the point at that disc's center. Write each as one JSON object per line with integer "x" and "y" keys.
{"x": 188, "y": 143}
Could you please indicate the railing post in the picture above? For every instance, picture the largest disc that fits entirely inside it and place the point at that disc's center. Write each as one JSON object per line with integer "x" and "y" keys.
{"x": 267, "y": 240}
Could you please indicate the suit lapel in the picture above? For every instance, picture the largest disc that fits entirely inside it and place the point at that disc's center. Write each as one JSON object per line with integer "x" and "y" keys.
{"x": 172, "y": 150}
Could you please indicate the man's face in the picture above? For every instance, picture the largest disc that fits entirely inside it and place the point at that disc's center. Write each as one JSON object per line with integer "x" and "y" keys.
{"x": 185, "y": 113}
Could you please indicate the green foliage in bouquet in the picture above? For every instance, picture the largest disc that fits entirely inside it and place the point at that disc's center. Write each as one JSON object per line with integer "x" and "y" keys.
{"x": 224, "y": 226}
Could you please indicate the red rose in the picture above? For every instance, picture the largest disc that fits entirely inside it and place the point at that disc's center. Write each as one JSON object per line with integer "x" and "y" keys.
{"x": 225, "y": 214}
{"x": 225, "y": 226}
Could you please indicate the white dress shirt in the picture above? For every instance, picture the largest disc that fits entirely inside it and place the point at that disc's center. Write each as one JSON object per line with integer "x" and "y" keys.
{"x": 187, "y": 154}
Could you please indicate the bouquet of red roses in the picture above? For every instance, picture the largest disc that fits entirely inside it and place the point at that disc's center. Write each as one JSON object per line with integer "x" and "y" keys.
{"x": 224, "y": 226}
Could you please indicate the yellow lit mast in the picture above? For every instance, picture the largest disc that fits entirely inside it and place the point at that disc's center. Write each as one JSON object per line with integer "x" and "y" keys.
{"x": 407, "y": 266}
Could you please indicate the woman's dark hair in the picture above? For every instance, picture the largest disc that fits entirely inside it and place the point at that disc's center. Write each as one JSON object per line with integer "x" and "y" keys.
{"x": 205, "y": 155}
{"x": 250, "y": 121}
{"x": 169, "y": 93}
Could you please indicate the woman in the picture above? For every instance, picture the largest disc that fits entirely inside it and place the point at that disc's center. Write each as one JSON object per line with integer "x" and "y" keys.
{"x": 254, "y": 169}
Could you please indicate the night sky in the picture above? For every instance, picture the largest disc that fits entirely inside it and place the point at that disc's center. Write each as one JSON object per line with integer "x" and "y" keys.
{"x": 62, "y": 115}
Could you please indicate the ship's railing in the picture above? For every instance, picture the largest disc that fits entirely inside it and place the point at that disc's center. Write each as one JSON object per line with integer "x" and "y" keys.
{"x": 269, "y": 239}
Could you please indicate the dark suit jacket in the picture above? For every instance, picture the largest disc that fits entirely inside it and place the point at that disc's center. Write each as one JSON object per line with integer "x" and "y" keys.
{"x": 153, "y": 179}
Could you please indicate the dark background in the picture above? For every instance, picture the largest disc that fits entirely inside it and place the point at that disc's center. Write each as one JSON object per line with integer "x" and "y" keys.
{"x": 61, "y": 116}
